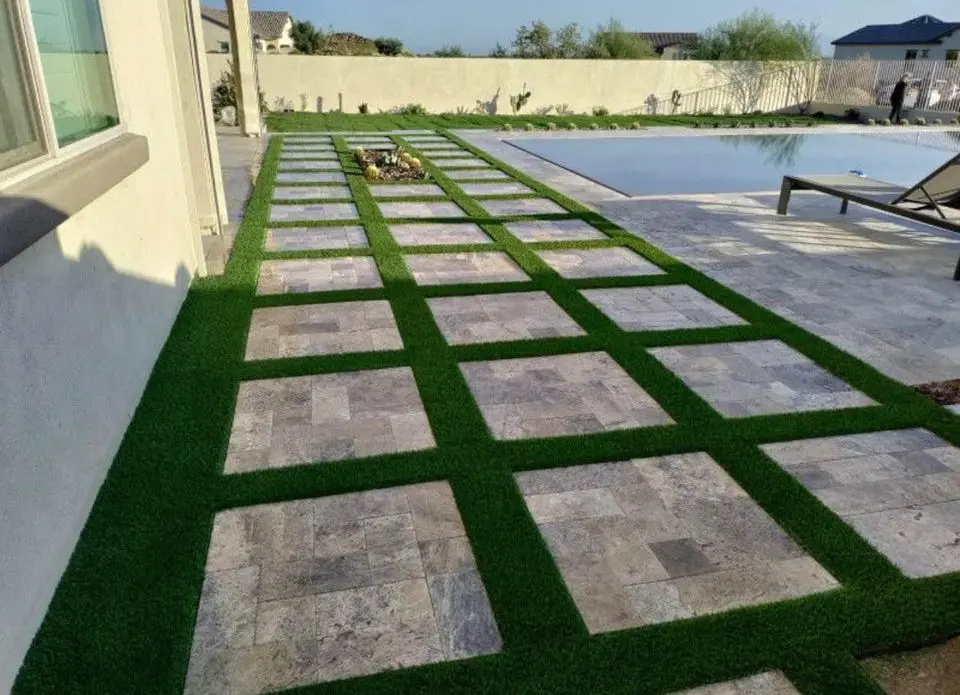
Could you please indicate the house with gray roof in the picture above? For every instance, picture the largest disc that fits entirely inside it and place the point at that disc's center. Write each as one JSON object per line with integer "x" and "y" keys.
{"x": 921, "y": 38}
{"x": 271, "y": 31}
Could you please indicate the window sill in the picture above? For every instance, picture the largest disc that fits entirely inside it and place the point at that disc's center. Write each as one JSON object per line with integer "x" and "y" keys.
{"x": 34, "y": 207}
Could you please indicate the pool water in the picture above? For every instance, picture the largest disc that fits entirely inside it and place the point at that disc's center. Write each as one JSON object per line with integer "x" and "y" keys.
{"x": 743, "y": 163}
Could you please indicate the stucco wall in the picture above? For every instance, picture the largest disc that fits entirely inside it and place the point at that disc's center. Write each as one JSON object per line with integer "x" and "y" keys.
{"x": 446, "y": 84}
{"x": 83, "y": 315}
{"x": 213, "y": 35}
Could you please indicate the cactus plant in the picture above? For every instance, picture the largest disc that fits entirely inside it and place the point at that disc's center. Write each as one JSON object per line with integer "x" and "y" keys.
{"x": 920, "y": 121}
{"x": 905, "y": 121}
{"x": 571, "y": 126}
{"x": 870, "y": 121}
{"x": 372, "y": 172}
{"x": 359, "y": 152}
{"x": 937, "y": 121}
{"x": 507, "y": 127}
{"x": 614, "y": 126}
{"x": 636, "y": 126}
{"x": 884, "y": 121}
{"x": 414, "y": 162}
{"x": 529, "y": 126}
{"x": 552, "y": 125}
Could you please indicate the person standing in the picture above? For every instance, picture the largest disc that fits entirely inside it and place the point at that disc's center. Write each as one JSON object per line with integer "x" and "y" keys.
{"x": 896, "y": 99}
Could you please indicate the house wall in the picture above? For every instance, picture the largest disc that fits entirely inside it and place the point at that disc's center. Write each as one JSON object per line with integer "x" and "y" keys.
{"x": 282, "y": 44}
{"x": 938, "y": 51}
{"x": 213, "y": 36}
{"x": 84, "y": 313}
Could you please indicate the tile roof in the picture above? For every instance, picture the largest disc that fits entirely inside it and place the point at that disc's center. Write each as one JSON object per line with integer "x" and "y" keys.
{"x": 922, "y": 29}
{"x": 264, "y": 25}
{"x": 662, "y": 39}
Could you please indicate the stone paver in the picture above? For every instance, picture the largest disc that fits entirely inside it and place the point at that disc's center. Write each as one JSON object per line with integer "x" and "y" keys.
{"x": 660, "y": 308}
{"x": 318, "y": 275}
{"x": 430, "y": 233}
{"x": 508, "y": 188}
{"x": 436, "y": 144}
{"x": 491, "y": 318}
{"x": 408, "y": 209}
{"x": 319, "y": 155}
{"x": 311, "y": 177}
{"x": 554, "y": 230}
{"x": 307, "y": 138}
{"x": 900, "y": 490}
{"x": 367, "y": 139}
{"x": 457, "y": 268}
{"x": 598, "y": 263}
{"x": 954, "y": 409}
{"x": 768, "y": 683}
{"x": 311, "y": 192}
{"x": 317, "y": 590}
{"x": 322, "y": 329}
{"x": 304, "y": 165}
{"x": 412, "y": 139}
{"x": 317, "y": 212}
{"x": 654, "y": 540}
{"x": 933, "y": 670}
{"x": 476, "y": 175}
{"x": 526, "y": 206}
{"x": 408, "y": 190}
{"x": 308, "y": 147}
{"x": 582, "y": 393}
{"x": 308, "y": 238}
{"x": 460, "y": 162}
{"x": 326, "y": 417}
{"x": 762, "y": 377}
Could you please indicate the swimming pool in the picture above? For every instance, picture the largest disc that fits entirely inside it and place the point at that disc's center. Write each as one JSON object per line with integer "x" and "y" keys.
{"x": 743, "y": 162}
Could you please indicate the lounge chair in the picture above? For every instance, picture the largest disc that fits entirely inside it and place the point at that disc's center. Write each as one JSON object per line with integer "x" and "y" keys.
{"x": 939, "y": 190}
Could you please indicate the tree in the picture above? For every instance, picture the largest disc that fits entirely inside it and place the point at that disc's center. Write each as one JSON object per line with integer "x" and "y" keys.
{"x": 499, "y": 51}
{"x": 568, "y": 42}
{"x": 307, "y": 39}
{"x": 535, "y": 42}
{"x": 450, "y": 51}
{"x": 757, "y": 35}
{"x": 388, "y": 46}
{"x": 612, "y": 41}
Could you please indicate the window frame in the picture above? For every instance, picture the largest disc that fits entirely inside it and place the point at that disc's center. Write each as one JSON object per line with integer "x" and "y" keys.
{"x": 908, "y": 56}
{"x": 952, "y": 55}
{"x": 51, "y": 153}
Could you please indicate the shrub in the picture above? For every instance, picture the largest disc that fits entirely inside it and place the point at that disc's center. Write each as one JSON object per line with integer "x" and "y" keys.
{"x": 552, "y": 125}
{"x": 411, "y": 110}
{"x": 529, "y": 126}
{"x": 937, "y": 121}
{"x": 636, "y": 126}
{"x": 884, "y": 121}
{"x": 905, "y": 121}
{"x": 811, "y": 124}
{"x": 388, "y": 46}
{"x": 571, "y": 126}
{"x": 736, "y": 124}
{"x": 594, "y": 126}
{"x": 957, "y": 120}
{"x": 717, "y": 124}
{"x": 372, "y": 172}
{"x": 870, "y": 121}
{"x": 614, "y": 126}
{"x": 507, "y": 127}
{"x": 852, "y": 115}
{"x": 601, "y": 111}
{"x": 364, "y": 108}
{"x": 518, "y": 101}
{"x": 921, "y": 121}
{"x": 697, "y": 124}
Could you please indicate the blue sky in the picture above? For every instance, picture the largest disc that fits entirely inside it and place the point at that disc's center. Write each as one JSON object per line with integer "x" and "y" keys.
{"x": 425, "y": 25}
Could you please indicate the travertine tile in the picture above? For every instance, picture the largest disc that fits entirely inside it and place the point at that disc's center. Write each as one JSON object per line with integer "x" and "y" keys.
{"x": 322, "y": 329}
{"x": 305, "y": 165}
{"x": 768, "y": 683}
{"x": 660, "y": 308}
{"x": 900, "y": 490}
{"x": 458, "y": 268}
{"x": 326, "y": 417}
{"x": 598, "y": 263}
{"x": 475, "y": 174}
{"x": 308, "y": 238}
{"x": 493, "y": 188}
{"x": 758, "y": 378}
{"x": 523, "y": 206}
{"x": 554, "y": 230}
{"x": 581, "y": 393}
{"x": 311, "y": 192}
{"x": 311, "y": 591}
{"x": 318, "y": 275}
{"x": 405, "y": 190}
{"x": 460, "y": 162}
{"x": 439, "y": 233}
{"x": 311, "y": 177}
{"x": 438, "y": 209}
{"x": 288, "y": 155}
{"x": 654, "y": 540}
{"x": 496, "y": 317}
{"x": 316, "y": 212}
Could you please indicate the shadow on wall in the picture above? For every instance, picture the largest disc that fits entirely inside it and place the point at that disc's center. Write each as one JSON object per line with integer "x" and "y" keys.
{"x": 79, "y": 341}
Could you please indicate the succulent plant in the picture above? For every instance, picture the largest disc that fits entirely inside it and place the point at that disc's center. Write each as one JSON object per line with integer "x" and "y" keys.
{"x": 884, "y": 121}
{"x": 359, "y": 152}
{"x": 552, "y": 125}
{"x": 905, "y": 121}
{"x": 636, "y": 126}
{"x": 937, "y": 121}
{"x": 372, "y": 172}
{"x": 414, "y": 162}
{"x": 507, "y": 127}
{"x": 571, "y": 126}
{"x": 614, "y": 126}
{"x": 594, "y": 126}
{"x": 870, "y": 121}
{"x": 529, "y": 126}
{"x": 920, "y": 121}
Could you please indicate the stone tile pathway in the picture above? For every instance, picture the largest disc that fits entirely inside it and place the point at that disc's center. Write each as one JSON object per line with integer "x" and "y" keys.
{"x": 463, "y": 268}
{"x": 322, "y": 329}
{"x": 900, "y": 490}
{"x": 763, "y": 377}
{"x": 654, "y": 540}
{"x": 554, "y": 230}
{"x": 526, "y": 206}
{"x": 311, "y": 192}
{"x": 511, "y": 188}
{"x": 582, "y": 393}
{"x": 318, "y": 275}
{"x": 311, "y": 177}
{"x": 497, "y": 317}
{"x": 317, "y": 212}
{"x": 660, "y": 308}
{"x": 769, "y": 683}
{"x": 424, "y": 210}
{"x": 316, "y": 165}
{"x": 460, "y": 163}
{"x": 319, "y": 155}
{"x": 409, "y": 190}
{"x": 598, "y": 263}
{"x": 308, "y": 238}
{"x": 323, "y": 589}
{"x": 326, "y": 417}
{"x": 429, "y": 233}
{"x": 475, "y": 174}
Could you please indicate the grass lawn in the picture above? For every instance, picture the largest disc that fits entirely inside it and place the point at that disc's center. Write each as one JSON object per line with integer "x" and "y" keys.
{"x": 122, "y": 620}
{"x": 320, "y": 122}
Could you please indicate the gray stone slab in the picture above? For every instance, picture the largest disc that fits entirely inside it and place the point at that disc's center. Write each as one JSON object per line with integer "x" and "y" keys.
{"x": 311, "y": 155}
{"x": 311, "y": 177}
{"x": 316, "y": 212}
{"x": 286, "y": 165}
{"x": 406, "y": 190}
{"x": 524, "y": 206}
{"x": 492, "y": 188}
{"x": 460, "y": 162}
{"x": 318, "y": 275}
{"x": 554, "y": 230}
{"x": 309, "y": 238}
{"x": 660, "y": 308}
{"x": 475, "y": 174}
{"x": 440, "y": 233}
{"x": 425, "y": 210}
{"x": 591, "y": 263}
{"x": 768, "y": 683}
{"x": 311, "y": 192}
{"x": 500, "y": 317}
{"x": 462, "y": 268}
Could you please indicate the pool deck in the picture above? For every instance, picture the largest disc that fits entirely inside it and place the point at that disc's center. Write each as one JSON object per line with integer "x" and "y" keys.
{"x": 874, "y": 285}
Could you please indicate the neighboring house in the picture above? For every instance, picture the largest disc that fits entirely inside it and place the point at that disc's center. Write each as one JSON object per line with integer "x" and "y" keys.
{"x": 271, "y": 31}
{"x": 670, "y": 45}
{"x": 921, "y": 38}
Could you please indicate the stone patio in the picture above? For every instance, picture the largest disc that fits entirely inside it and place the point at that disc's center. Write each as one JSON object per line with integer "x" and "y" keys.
{"x": 769, "y": 683}
{"x": 661, "y": 539}
{"x": 322, "y": 589}
{"x": 423, "y": 210}
{"x": 510, "y": 188}
{"x": 311, "y": 177}
{"x": 582, "y": 393}
{"x": 326, "y": 417}
{"x": 900, "y": 490}
{"x": 660, "y": 308}
{"x": 525, "y": 206}
{"x": 554, "y": 230}
{"x": 460, "y": 163}
{"x": 598, "y": 263}
{"x": 317, "y": 212}
{"x": 489, "y": 318}
{"x": 406, "y": 190}
{"x": 475, "y": 174}
{"x": 462, "y": 268}
{"x": 320, "y": 155}
{"x": 302, "y": 165}
{"x": 428, "y": 233}
{"x": 318, "y": 275}
{"x": 763, "y": 377}
{"x": 311, "y": 192}
{"x": 322, "y": 329}
{"x": 310, "y": 238}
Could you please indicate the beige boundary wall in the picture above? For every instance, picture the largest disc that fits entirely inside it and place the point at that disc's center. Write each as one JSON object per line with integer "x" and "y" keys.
{"x": 448, "y": 84}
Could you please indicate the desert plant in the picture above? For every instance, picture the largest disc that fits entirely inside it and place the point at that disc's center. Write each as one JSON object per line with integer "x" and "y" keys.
{"x": 636, "y": 126}
{"x": 225, "y": 93}
{"x": 388, "y": 46}
{"x": 920, "y": 121}
{"x": 614, "y": 126}
{"x": 359, "y": 152}
{"x": 884, "y": 121}
{"x": 507, "y": 127}
{"x": 364, "y": 108}
{"x": 518, "y": 101}
{"x": 529, "y": 126}
{"x": 449, "y": 51}
{"x": 870, "y": 121}
{"x": 372, "y": 172}
{"x": 905, "y": 121}
{"x": 563, "y": 109}
{"x": 552, "y": 125}
{"x": 411, "y": 110}
{"x": 303, "y": 102}
{"x": 601, "y": 111}
{"x": 571, "y": 126}
{"x": 937, "y": 121}
{"x": 594, "y": 126}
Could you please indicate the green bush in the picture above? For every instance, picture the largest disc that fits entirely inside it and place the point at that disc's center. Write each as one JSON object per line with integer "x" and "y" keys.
{"x": 884, "y": 121}
{"x": 552, "y": 125}
{"x": 571, "y": 126}
{"x": 507, "y": 127}
{"x": 870, "y": 121}
{"x": 614, "y": 126}
{"x": 601, "y": 111}
{"x": 636, "y": 126}
{"x": 529, "y": 126}
{"x": 594, "y": 126}
{"x": 920, "y": 121}
{"x": 411, "y": 110}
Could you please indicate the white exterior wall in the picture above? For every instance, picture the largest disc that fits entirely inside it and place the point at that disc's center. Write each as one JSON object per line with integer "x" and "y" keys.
{"x": 213, "y": 35}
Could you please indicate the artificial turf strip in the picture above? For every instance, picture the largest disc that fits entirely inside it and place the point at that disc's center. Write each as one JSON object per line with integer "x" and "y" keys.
{"x": 123, "y": 615}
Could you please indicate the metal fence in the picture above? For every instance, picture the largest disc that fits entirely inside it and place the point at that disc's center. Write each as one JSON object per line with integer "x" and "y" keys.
{"x": 932, "y": 85}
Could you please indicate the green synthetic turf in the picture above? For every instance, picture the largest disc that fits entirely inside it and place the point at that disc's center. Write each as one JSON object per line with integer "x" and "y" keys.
{"x": 123, "y": 615}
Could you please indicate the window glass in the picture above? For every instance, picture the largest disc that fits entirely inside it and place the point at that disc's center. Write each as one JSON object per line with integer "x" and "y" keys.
{"x": 953, "y": 55}
{"x": 76, "y": 69}
{"x": 19, "y": 134}
{"x": 911, "y": 54}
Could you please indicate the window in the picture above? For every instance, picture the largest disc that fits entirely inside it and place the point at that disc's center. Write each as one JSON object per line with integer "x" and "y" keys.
{"x": 925, "y": 53}
{"x": 953, "y": 55}
{"x": 224, "y": 46}
{"x": 56, "y": 86}
{"x": 911, "y": 54}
